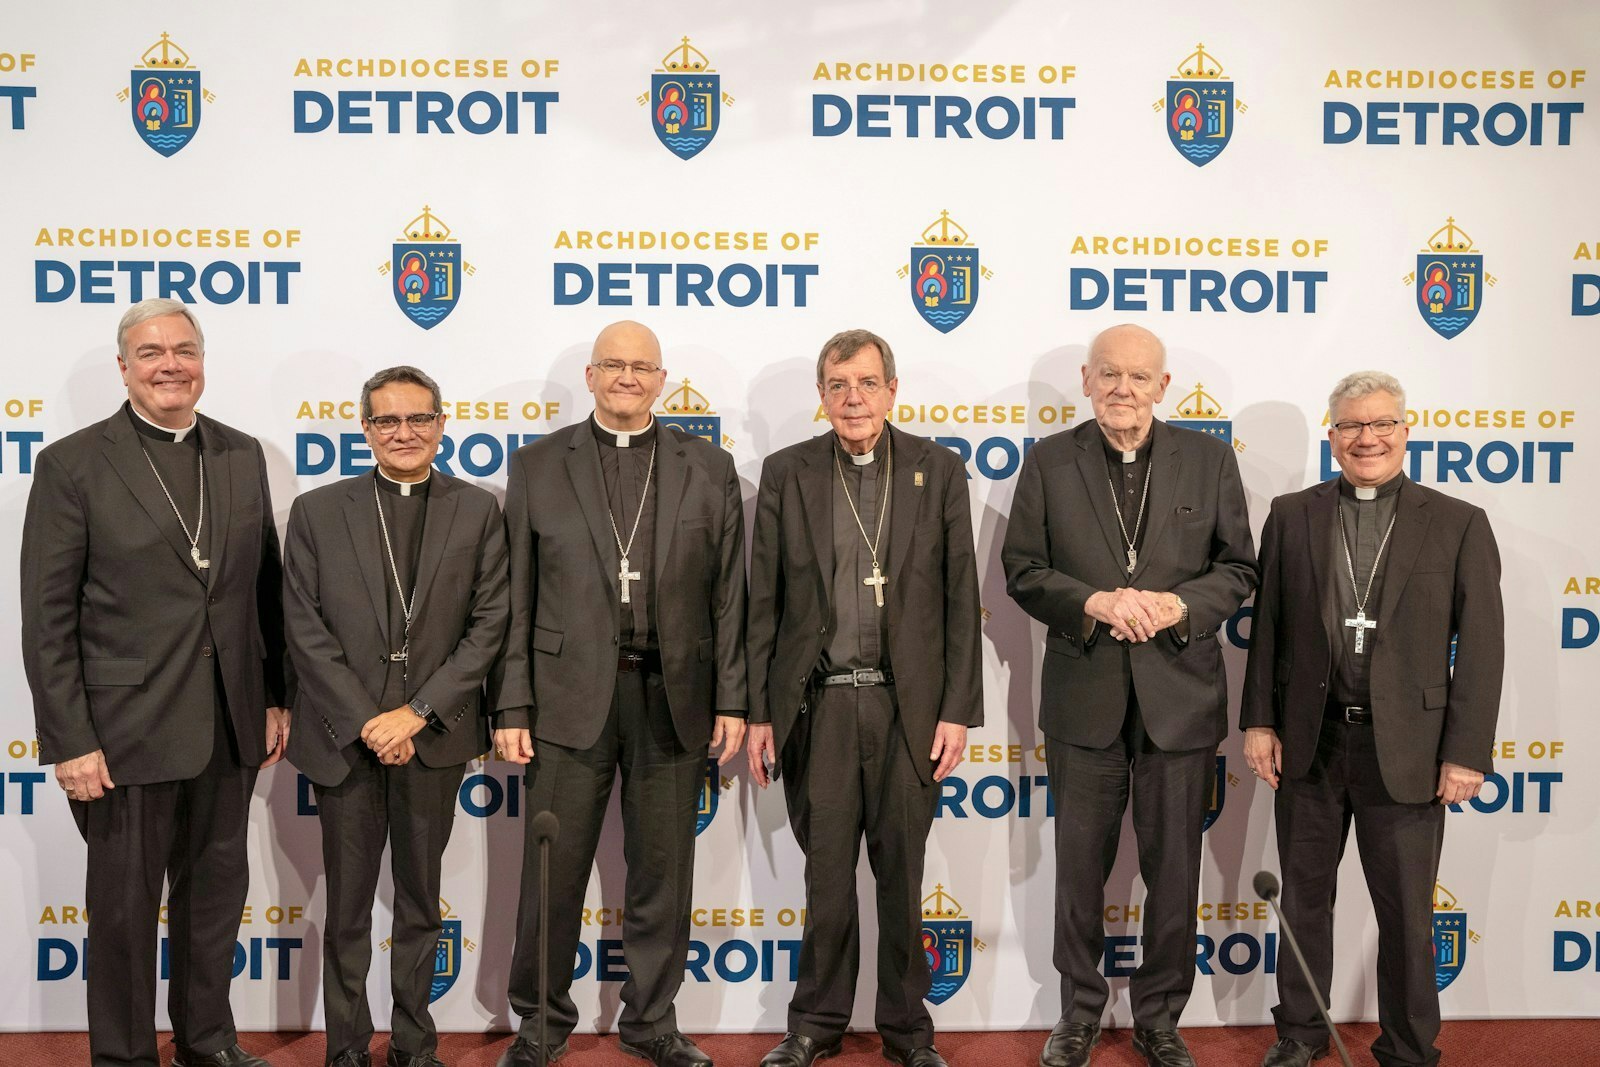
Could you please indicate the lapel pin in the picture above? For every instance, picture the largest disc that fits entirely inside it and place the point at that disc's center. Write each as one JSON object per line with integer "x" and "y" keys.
{"x": 916, "y": 479}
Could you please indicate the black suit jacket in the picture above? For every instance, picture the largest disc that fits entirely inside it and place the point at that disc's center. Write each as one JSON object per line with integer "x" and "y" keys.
{"x": 1441, "y": 578}
{"x": 123, "y": 640}
{"x": 931, "y": 598}
{"x": 1063, "y": 545}
{"x": 559, "y": 670}
{"x": 336, "y": 599}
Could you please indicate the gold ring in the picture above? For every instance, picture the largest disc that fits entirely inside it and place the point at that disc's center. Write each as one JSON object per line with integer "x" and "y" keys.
{"x": 1132, "y": 623}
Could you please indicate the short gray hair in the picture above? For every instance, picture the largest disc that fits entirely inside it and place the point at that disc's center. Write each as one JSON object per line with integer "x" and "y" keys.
{"x": 401, "y": 375}
{"x": 842, "y": 347}
{"x": 155, "y": 308}
{"x": 1365, "y": 383}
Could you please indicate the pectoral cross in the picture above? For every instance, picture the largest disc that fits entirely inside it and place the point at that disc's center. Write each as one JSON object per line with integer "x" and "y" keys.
{"x": 1133, "y": 559}
{"x": 194, "y": 554}
{"x": 625, "y": 576}
{"x": 1361, "y": 624}
{"x": 877, "y": 581}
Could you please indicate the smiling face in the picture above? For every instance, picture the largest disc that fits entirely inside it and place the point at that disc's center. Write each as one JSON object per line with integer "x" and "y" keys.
{"x": 406, "y": 454}
{"x": 623, "y": 394}
{"x": 857, "y": 399}
{"x": 1124, "y": 379}
{"x": 1367, "y": 459}
{"x": 164, "y": 369}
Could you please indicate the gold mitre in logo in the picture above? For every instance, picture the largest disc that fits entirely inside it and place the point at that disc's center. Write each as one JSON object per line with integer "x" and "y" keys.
{"x": 1444, "y": 900}
{"x": 165, "y": 55}
{"x": 941, "y": 905}
{"x": 427, "y": 227}
{"x": 685, "y": 57}
{"x": 1449, "y": 238}
{"x": 945, "y": 232}
{"x": 1200, "y": 65}
{"x": 1199, "y": 405}
{"x": 686, "y": 401}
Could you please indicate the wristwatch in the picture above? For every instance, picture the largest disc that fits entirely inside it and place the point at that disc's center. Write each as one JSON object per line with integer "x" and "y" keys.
{"x": 423, "y": 711}
{"x": 1183, "y": 609}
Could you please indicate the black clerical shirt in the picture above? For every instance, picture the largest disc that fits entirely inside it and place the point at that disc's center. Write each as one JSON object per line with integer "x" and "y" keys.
{"x": 176, "y": 456}
{"x": 405, "y": 509}
{"x": 1364, "y": 524}
{"x": 858, "y": 637}
{"x": 626, "y": 470}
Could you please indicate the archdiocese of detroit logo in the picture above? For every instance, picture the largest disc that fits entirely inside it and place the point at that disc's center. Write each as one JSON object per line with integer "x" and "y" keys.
{"x": 447, "y": 953}
{"x": 428, "y": 270}
{"x": 944, "y": 274}
{"x": 1201, "y": 411}
{"x": 1449, "y": 280}
{"x": 688, "y": 410}
{"x": 685, "y": 101}
{"x": 1219, "y": 793}
{"x": 1199, "y": 105}
{"x": 165, "y": 94}
{"x": 947, "y": 944}
{"x": 1450, "y": 937}
{"x": 711, "y": 787}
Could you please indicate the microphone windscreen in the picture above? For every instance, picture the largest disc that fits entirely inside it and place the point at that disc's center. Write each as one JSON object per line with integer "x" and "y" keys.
{"x": 546, "y": 827}
{"x": 1266, "y": 884}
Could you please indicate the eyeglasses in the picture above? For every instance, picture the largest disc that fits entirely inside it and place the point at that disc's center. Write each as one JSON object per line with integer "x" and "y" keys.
{"x": 838, "y": 389}
{"x": 613, "y": 368}
{"x": 1349, "y": 431}
{"x": 421, "y": 422}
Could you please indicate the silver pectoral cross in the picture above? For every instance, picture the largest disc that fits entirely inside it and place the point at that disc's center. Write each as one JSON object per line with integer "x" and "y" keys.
{"x": 194, "y": 554}
{"x": 625, "y": 576}
{"x": 877, "y": 581}
{"x": 1133, "y": 559}
{"x": 1361, "y": 624}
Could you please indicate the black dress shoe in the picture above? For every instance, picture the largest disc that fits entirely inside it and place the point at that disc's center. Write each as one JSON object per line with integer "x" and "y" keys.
{"x": 525, "y": 1053}
{"x": 396, "y": 1058}
{"x": 668, "y": 1050}
{"x": 1162, "y": 1048}
{"x": 352, "y": 1058}
{"x": 1069, "y": 1045}
{"x": 798, "y": 1050}
{"x": 922, "y": 1056}
{"x": 1291, "y": 1053}
{"x": 232, "y": 1056}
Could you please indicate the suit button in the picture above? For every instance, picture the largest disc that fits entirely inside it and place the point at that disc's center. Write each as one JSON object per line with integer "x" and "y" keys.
{"x": 823, "y": 630}
{"x": 206, "y": 651}
{"x": 211, "y": 600}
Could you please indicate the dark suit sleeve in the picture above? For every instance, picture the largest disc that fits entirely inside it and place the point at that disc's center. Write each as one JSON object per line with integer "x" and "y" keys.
{"x": 511, "y": 677}
{"x": 766, "y": 590}
{"x": 325, "y": 678}
{"x": 1258, "y": 704}
{"x": 1216, "y": 594}
{"x": 462, "y": 673}
{"x": 1051, "y": 596}
{"x": 277, "y": 670}
{"x": 963, "y": 643}
{"x": 55, "y": 549}
{"x": 1478, "y": 619}
{"x": 733, "y": 695}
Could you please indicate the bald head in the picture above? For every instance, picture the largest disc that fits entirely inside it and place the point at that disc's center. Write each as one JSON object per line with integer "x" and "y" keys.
{"x": 628, "y": 341}
{"x": 1125, "y": 378}
{"x": 625, "y": 375}
{"x": 1128, "y": 339}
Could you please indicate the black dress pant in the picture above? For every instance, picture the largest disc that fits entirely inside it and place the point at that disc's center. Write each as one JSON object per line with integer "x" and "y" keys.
{"x": 412, "y": 807}
{"x": 1400, "y": 845}
{"x": 193, "y": 834}
{"x": 661, "y": 783}
{"x": 848, "y": 772}
{"x": 1090, "y": 789}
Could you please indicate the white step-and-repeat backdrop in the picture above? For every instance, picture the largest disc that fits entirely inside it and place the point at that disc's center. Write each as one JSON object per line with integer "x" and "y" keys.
{"x": 1284, "y": 193}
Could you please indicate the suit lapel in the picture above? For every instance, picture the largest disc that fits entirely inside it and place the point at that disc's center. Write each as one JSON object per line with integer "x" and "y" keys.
{"x": 903, "y": 502}
{"x": 360, "y": 515}
{"x": 439, "y": 516}
{"x": 816, "y": 494}
{"x": 1410, "y": 531}
{"x": 672, "y": 472}
{"x": 1092, "y": 465}
{"x": 123, "y": 450}
{"x": 589, "y": 486}
{"x": 1321, "y": 514}
{"x": 220, "y": 475}
{"x": 1166, "y": 467}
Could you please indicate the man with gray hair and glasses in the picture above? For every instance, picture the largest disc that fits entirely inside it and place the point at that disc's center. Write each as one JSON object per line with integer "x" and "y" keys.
{"x": 152, "y": 638}
{"x": 396, "y": 597}
{"x": 1371, "y": 696}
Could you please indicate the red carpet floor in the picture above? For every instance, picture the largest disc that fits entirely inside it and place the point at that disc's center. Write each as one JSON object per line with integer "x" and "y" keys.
{"x": 1521, "y": 1043}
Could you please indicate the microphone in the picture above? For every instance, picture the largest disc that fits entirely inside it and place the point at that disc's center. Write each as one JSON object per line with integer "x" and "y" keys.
{"x": 544, "y": 828}
{"x": 1266, "y": 887}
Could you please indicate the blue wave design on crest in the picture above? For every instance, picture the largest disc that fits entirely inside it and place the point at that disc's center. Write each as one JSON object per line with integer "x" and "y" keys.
{"x": 1200, "y": 151}
{"x": 427, "y": 314}
{"x": 683, "y": 144}
{"x": 939, "y": 992}
{"x": 943, "y": 317}
{"x": 167, "y": 140}
{"x": 1449, "y": 325}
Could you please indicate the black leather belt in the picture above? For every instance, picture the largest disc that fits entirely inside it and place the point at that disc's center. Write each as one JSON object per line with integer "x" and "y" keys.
{"x": 639, "y": 661}
{"x": 1353, "y": 714}
{"x": 856, "y": 678}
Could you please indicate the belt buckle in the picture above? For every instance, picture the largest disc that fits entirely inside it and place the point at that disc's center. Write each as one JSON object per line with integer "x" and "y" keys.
{"x": 859, "y": 679}
{"x": 632, "y": 659}
{"x": 1352, "y": 720}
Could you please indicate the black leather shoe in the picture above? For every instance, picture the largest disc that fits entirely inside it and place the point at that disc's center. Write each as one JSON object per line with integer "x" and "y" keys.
{"x": 233, "y": 1056}
{"x": 1291, "y": 1053}
{"x": 525, "y": 1053}
{"x": 1069, "y": 1045}
{"x": 396, "y": 1058}
{"x": 668, "y": 1050}
{"x": 798, "y": 1050}
{"x": 352, "y": 1058}
{"x": 923, "y": 1056}
{"x": 1162, "y": 1048}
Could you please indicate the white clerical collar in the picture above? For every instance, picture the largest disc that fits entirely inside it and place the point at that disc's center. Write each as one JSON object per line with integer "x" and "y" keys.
{"x": 863, "y": 459}
{"x": 405, "y": 488}
{"x": 1130, "y": 457}
{"x": 1366, "y": 492}
{"x": 177, "y": 435}
{"x": 623, "y": 436}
